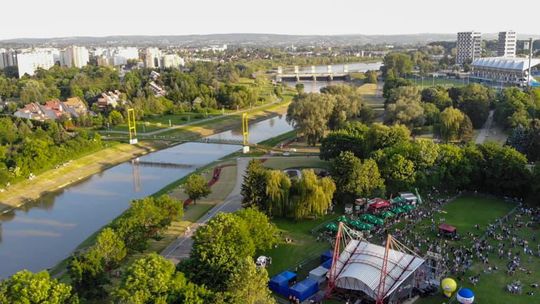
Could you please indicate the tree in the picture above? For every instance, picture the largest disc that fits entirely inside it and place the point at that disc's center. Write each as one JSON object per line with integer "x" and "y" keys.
{"x": 400, "y": 64}
{"x": 475, "y": 102}
{"x": 196, "y": 187}
{"x": 355, "y": 178}
{"x": 437, "y": 96}
{"x": 254, "y": 186}
{"x": 150, "y": 279}
{"x": 311, "y": 196}
{"x": 28, "y": 287}
{"x": 278, "y": 186}
{"x": 111, "y": 248}
{"x": 261, "y": 230}
{"x": 407, "y": 108}
{"x": 249, "y": 285}
{"x": 299, "y": 88}
{"x": 371, "y": 77}
{"x": 115, "y": 118}
{"x": 450, "y": 123}
{"x": 310, "y": 113}
{"x": 218, "y": 248}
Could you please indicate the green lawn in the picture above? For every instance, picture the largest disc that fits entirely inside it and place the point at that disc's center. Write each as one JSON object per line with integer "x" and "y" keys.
{"x": 464, "y": 213}
{"x": 304, "y": 249}
{"x": 430, "y": 81}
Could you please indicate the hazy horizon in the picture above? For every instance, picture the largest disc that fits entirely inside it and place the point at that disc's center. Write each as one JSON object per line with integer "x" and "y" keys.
{"x": 101, "y": 18}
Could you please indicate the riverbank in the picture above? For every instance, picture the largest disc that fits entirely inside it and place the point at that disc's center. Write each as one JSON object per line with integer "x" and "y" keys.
{"x": 54, "y": 180}
{"x": 76, "y": 170}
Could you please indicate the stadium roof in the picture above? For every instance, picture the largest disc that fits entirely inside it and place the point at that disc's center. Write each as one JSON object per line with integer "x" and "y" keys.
{"x": 359, "y": 268}
{"x": 505, "y": 63}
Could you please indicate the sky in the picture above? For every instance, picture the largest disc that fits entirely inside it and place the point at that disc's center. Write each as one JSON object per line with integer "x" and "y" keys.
{"x": 65, "y": 18}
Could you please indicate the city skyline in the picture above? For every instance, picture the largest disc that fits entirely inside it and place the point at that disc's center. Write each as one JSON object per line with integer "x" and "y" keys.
{"x": 60, "y": 18}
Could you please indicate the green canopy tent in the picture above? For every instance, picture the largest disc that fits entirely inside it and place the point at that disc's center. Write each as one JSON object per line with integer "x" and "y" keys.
{"x": 343, "y": 219}
{"x": 361, "y": 225}
{"x": 371, "y": 219}
{"x": 397, "y": 200}
{"x": 332, "y": 227}
{"x": 387, "y": 214}
{"x": 398, "y": 210}
{"x": 408, "y": 208}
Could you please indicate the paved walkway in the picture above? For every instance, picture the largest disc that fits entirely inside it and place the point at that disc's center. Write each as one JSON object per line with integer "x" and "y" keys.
{"x": 484, "y": 132}
{"x": 181, "y": 247}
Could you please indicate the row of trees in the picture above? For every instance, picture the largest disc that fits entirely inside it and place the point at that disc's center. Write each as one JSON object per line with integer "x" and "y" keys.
{"x": 30, "y": 147}
{"x": 404, "y": 163}
{"x": 145, "y": 219}
{"x": 273, "y": 192}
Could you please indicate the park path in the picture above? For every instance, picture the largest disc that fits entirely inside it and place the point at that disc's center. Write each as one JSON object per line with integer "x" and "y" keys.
{"x": 484, "y": 132}
{"x": 159, "y": 131}
{"x": 181, "y": 247}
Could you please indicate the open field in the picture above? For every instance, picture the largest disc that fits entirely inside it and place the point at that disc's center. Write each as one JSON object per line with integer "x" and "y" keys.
{"x": 75, "y": 170}
{"x": 464, "y": 213}
{"x": 304, "y": 249}
{"x": 435, "y": 81}
{"x": 371, "y": 95}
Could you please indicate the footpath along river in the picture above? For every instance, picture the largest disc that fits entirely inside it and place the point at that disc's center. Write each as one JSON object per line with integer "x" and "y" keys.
{"x": 40, "y": 234}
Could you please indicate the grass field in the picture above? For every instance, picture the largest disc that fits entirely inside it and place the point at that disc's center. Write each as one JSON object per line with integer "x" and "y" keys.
{"x": 464, "y": 213}
{"x": 370, "y": 95}
{"x": 304, "y": 249}
{"x": 434, "y": 81}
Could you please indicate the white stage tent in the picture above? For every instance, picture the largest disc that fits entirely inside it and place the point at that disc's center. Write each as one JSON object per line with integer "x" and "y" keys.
{"x": 359, "y": 268}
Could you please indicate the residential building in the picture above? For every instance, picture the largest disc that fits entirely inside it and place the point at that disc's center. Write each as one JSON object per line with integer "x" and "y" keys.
{"x": 501, "y": 71}
{"x": 53, "y": 109}
{"x": 469, "y": 46}
{"x": 152, "y": 58}
{"x": 103, "y": 61}
{"x": 29, "y": 61}
{"x": 7, "y": 58}
{"x": 507, "y": 44}
{"x": 172, "y": 61}
{"x": 111, "y": 99}
{"x": 75, "y": 56}
{"x": 120, "y": 56}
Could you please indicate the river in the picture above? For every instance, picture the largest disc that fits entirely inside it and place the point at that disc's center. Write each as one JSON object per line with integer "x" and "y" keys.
{"x": 316, "y": 86}
{"x": 40, "y": 234}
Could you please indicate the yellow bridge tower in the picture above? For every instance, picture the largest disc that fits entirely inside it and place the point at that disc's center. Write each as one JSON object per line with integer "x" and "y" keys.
{"x": 245, "y": 132}
{"x": 132, "y": 126}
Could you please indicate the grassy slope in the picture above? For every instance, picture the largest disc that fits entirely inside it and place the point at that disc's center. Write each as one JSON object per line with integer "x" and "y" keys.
{"x": 78, "y": 169}
{"x": 296, "y": 162}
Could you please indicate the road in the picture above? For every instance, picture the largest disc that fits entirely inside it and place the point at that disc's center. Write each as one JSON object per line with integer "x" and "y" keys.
{"x": 181, "y": 247}
{"x": 484, "y": 132}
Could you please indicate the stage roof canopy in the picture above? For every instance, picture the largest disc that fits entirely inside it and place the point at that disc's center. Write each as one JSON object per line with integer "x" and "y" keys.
{"x": 359, "y": 268}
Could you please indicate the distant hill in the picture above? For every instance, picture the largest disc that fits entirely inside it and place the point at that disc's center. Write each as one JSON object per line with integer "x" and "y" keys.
{"x": 244, "y": 40}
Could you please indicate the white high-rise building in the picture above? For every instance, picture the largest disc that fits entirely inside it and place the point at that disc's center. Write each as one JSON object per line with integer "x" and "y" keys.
{"x": 507, "y": 44}
{"x": 7, "y": 58}
{"x": 29, "y": 61}
{"x": 152, "y": 58}
{"x": 469, "y": 46}
{"x": 120, "y": 56}
{"x": 172, "y": 61}
{"x": 75, "y": 56}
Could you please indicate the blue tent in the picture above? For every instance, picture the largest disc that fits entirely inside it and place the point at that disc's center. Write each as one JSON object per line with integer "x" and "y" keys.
{"x": 327, "y": 264}
{"x": 280, "y": 282}
{"x": 304, "y": 289}
{"x": 326, "y": 256}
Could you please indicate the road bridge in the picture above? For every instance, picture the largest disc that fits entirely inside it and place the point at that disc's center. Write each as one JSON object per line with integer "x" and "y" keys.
{"x": 313, "y": 75}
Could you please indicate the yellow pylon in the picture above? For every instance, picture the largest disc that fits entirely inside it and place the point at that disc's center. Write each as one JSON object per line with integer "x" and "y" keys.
{"x": 132, "y": 126}
{"x": 245, "y": 129}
